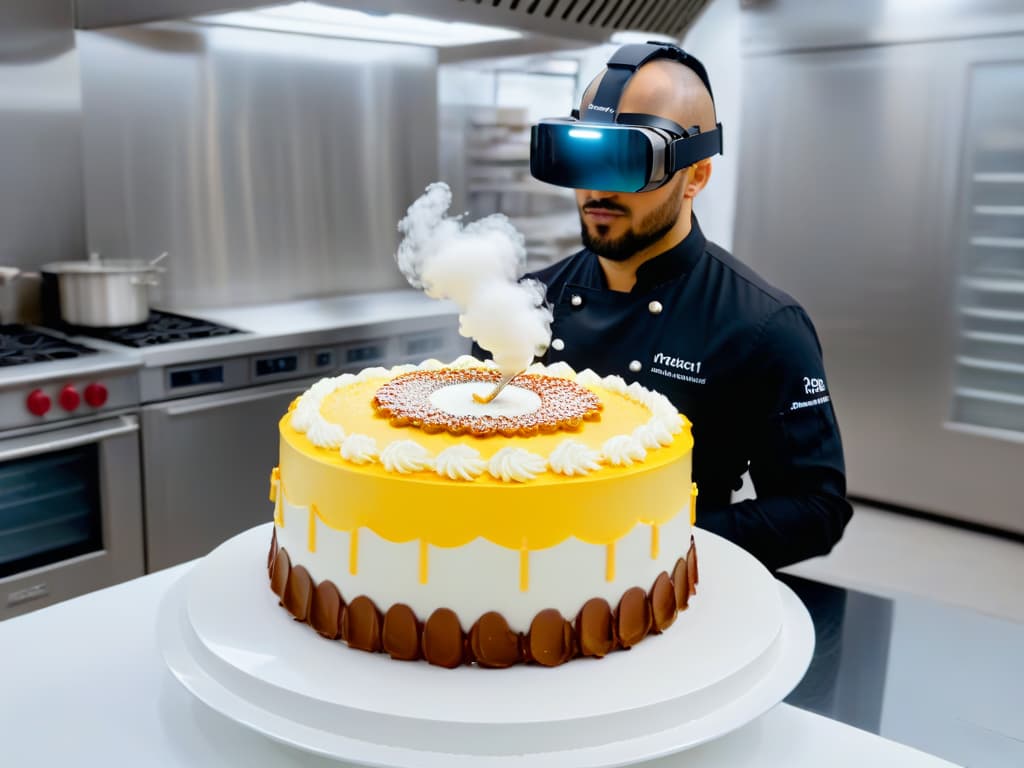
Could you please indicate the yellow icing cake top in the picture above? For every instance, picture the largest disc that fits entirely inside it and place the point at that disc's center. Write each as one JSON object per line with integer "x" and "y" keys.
{"x": 359, "y": 471}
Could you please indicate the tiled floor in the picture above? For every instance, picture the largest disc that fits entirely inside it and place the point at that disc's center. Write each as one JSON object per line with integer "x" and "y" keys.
{"x": 886, "y": 553}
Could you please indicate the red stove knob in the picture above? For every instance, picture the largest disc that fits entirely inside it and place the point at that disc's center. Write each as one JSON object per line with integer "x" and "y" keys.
{"x": 38, "y": 402}
{"x": 69, "y": 398}
{"x": 96, "y": 395}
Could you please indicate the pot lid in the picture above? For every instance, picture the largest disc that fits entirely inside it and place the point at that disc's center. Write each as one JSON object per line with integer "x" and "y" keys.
{"x": 106, "y": 266}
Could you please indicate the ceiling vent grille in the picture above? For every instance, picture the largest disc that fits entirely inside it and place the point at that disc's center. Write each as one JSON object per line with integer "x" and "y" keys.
{"x": 596, "y": 19}
{"x": 591, "y": 21}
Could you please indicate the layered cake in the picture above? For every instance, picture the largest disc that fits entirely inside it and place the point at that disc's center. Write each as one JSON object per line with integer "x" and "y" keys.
{"x": 551, "y": 523}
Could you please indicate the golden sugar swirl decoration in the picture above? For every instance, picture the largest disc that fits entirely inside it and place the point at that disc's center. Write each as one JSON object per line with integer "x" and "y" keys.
{"x": 564, "y": 404}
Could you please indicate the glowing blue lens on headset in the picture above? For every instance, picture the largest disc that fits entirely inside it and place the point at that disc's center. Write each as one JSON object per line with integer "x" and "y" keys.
{"x": 609, "y": 158}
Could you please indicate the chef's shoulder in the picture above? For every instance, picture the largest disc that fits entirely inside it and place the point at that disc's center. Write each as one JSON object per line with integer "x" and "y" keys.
{"x": 781, "y": 341}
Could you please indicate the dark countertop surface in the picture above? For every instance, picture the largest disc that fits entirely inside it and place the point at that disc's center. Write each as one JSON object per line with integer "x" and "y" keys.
{"x": 940, "y": 678}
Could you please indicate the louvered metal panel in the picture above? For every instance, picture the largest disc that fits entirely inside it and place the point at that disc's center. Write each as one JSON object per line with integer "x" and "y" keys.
{"x": 591, "y": 19}
{"x": 585, "y": 20}
{"x": 989, "y": 389}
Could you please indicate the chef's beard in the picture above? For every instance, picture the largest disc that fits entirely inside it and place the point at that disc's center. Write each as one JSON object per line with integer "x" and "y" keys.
{"x": 651, "y": 229}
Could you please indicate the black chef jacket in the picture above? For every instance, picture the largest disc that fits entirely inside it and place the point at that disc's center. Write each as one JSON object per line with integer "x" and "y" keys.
{"x": 742, "y": 361}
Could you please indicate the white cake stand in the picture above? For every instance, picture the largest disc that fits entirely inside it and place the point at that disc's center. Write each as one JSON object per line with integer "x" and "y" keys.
{"x": 740, "y": 648}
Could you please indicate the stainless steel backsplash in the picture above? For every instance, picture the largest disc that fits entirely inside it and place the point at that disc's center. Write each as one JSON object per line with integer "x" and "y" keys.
{"x": 41, "y": 216}
{"x": 271, "y": 166}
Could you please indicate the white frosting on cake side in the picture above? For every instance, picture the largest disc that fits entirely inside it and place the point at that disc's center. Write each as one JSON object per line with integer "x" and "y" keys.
{"x": 481, "y": 576}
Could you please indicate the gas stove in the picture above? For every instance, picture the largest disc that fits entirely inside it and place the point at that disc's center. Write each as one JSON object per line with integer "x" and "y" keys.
{"x": 46, "y": 378}
{"x": 66, "y": 372}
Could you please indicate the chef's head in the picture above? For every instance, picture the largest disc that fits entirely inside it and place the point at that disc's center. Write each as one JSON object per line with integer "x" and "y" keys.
{"x": 622, "y": 225}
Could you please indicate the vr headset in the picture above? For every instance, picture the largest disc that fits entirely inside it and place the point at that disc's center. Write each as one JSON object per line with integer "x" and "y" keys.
{"x": 615, "y": 152}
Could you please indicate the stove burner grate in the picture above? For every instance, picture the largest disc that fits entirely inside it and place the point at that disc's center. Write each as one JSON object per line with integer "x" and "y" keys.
{"x": 20, "y": 345}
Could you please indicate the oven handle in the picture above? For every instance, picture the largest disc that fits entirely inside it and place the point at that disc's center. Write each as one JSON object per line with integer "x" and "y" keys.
{"x": 70, "y": 438}
{"x": 184, "y": 407}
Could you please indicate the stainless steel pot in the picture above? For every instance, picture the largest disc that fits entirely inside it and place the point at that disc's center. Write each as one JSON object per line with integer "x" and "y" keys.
{"x": 20, "y": 294}
{"x": 105, "y": 293}
{"x": 8, "y": 280}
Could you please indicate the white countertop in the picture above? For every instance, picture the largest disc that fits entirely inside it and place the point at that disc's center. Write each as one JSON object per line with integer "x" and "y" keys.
{"x": 307, "y": 315}
{"x": 83, "y": 683}
{"x": 300, "y": 323}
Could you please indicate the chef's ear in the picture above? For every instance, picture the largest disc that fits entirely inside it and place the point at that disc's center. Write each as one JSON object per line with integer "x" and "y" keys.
{"x": 697, "y": 176}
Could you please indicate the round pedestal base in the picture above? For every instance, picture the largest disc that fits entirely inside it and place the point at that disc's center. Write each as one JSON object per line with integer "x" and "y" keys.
{"x": 742, "y": 645}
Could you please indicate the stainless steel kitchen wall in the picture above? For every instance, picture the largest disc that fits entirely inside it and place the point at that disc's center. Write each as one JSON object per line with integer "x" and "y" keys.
{"x": 271, "y": 166}
{"x": 41, "y": 216}
{"x": 855, "y": 192}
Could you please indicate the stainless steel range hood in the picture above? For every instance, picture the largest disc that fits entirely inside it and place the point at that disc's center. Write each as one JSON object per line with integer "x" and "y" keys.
{"x": 590, "y": 20}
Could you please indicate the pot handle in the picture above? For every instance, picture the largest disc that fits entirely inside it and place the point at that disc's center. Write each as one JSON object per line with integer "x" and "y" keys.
{"x": 149, "y": 281}
{"x": 8, "y": 275}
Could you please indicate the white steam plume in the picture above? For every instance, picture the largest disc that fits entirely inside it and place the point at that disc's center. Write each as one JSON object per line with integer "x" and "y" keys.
{"x": 477, "y": 266}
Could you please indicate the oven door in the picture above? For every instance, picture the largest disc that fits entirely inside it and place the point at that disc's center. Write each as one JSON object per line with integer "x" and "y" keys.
{"x": 70, "y": 512}
{"x": 207, "y": 463}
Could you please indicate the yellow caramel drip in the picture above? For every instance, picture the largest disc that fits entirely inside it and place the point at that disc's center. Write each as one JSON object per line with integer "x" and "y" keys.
{"x": 524, "y": 568}
{"x": 277, "y": 497}
{"x": 598, "y": 508}
{"x": 353, "y": 552}
{"x": 275, "y": 478}
{"x": 424, "y": 550}
{"x": 312, "y": 527}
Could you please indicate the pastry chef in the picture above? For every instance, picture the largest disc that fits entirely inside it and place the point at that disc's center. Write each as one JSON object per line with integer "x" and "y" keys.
{"x": 650, "y": 299}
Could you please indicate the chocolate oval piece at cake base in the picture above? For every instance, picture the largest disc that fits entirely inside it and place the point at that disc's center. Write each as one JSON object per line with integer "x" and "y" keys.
{"x": 298, "y": 593}
{"x": 326, "y": 610}
{"x": 279, "y": 573}
{"x": 444, "y": 643}
{"x": 401, "y": 635}
{"x": 550, "y": 640}
{"x": 595, "y": 628}
{"x": 663, "y": 603}
{"x": 691, "y": 567}
{"x": 273, "y": 553}
{"x": 681, "y": 583}
{"x": 633, "y": 617}
{"x": 492, "y": 642}
{"x": 360, "y": 625}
